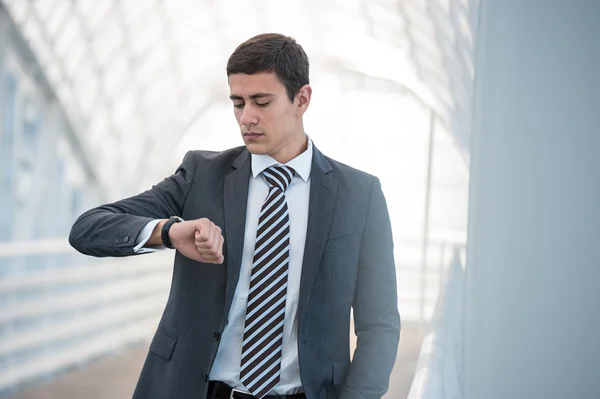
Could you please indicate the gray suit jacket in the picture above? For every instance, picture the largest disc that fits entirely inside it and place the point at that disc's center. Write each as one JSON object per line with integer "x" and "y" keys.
{"x": 348, "y": 263}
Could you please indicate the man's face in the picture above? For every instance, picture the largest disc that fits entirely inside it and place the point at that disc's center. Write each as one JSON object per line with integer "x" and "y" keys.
{"x": 268, "y": 121}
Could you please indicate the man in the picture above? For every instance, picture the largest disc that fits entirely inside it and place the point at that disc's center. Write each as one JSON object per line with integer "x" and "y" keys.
{"x": 275, "y": 244}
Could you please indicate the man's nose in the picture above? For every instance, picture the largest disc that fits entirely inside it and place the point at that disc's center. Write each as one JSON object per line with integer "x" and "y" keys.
{"x": 248, "y": 117}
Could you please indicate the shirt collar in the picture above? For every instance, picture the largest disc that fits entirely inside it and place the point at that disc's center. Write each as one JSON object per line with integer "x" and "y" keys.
{"x": 301, "y": 163}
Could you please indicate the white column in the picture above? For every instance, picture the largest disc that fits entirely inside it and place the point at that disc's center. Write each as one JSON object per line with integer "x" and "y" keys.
{"x": 533, "y": 298}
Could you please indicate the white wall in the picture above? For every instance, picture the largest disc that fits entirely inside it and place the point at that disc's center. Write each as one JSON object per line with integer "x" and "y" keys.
{"x": 533, "y": 309}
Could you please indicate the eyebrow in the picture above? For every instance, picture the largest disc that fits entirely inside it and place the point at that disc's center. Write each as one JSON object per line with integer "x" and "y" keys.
{"x": 253, "y": 96}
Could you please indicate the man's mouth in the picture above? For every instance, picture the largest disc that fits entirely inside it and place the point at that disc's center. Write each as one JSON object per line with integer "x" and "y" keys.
{"x": 252, "y": 134}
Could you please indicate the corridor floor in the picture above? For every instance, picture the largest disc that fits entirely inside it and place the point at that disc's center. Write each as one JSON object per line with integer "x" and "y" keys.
{"x": 114, "y": 376}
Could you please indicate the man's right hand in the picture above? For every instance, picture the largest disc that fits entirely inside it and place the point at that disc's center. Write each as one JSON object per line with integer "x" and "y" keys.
{"x": 199, "y": 239}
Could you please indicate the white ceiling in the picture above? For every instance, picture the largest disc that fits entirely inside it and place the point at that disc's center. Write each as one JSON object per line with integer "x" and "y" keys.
{"x": 136, "y": 76}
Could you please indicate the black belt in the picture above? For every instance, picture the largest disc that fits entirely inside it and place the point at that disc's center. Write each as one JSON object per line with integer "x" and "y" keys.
{"x": 220, "y": 390}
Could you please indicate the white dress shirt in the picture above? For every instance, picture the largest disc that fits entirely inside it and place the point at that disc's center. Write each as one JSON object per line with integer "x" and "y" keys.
{"x": 226, "y": 366}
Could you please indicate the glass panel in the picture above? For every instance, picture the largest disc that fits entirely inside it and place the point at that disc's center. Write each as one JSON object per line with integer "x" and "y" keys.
{"x": 9, "y": 88}
{"x": 68, "y": 35}
{"x": 77, "y": 55}
{"x": 44, "y": 8}
{"x": 95, "y": 13}
{"x": 146, "y": 35}
{"x": 19, "y": 9}
{"x": 85, "y": 76}
{"x": 148, "y": 70}
{"x": 31, "y": 126}
{"x": 88, "y": 97}
{"x": 86, "y": 6}
{"x": 166, "y": 50}
{"x": 115, "y": 75}
{"x": 134, "y": 12}
{"x": 178, "y": 10}
{"x": 108, "y": 37}
{"x": 98, "y": 127}
{"x": 57, "y": 18}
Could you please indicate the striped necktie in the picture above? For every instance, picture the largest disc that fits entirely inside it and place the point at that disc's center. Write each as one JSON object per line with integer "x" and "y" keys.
{"x": 265, "y": 310}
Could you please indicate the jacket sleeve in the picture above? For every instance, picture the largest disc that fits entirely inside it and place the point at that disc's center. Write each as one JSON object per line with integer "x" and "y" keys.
{"x": 112, "y": 229}
{"x": 376, "y": 316}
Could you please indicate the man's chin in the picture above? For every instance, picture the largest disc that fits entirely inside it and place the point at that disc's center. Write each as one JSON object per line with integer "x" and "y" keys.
{"x": 256, "y": 149}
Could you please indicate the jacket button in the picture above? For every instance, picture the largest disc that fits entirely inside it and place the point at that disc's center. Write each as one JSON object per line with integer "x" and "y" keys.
{"x": 126, "y": 239}
{"x": 217, "y": 336}
{"x": 205, "y": 377}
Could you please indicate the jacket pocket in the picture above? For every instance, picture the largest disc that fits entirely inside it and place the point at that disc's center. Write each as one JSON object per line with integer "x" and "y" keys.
{"x": 339, "y": 243}
{"x": 163, "y": 344}
{"x": 339, "y": 371}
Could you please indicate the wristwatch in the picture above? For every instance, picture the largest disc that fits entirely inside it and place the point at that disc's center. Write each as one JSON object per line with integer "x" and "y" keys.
{"x": 164, "y": 233}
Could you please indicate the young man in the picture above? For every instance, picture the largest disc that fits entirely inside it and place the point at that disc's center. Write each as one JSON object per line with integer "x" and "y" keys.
{"x": 275, "y": 244}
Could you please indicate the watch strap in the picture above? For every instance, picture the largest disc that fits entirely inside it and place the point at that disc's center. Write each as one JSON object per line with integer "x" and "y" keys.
{"x": 164, "y": 232}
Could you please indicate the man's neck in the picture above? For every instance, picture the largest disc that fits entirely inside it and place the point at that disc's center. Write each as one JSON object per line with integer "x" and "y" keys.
{"x": 292, "y": 150}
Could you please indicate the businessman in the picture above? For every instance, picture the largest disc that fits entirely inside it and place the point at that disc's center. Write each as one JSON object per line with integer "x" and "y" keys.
{"x": 275, "y": 244}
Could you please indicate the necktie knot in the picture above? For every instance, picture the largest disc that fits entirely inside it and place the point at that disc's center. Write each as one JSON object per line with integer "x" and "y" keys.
{"x": 279, "y": 176}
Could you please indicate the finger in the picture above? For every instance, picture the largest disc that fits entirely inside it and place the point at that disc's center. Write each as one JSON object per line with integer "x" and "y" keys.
{"x": 221, "y": 241}
{"x": 205, "y": 248}
{"x": 210, "y": 231}
{"x": 208, "y": 246}
{"x": 203, "y": 227}
{"x": 200, "y": 236}
{"x": 208, "y": 258}
{"x": 215, "y": 240}
{"x": 208, "y": 249}
{"x": 204, "y": 240}
{"x": 219, "y": 251}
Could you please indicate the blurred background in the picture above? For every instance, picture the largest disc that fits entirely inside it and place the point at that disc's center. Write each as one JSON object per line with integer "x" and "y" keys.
{"x": 465, "y": 109}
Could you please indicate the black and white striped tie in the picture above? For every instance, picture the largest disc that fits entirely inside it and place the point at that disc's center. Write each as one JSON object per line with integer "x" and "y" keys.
{"x": 265, "y": 310}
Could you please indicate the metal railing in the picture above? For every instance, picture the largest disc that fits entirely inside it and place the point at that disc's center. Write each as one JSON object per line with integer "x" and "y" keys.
{"x": 65, "y": 313}
{"x": 422, "y": 274}
{"x": 56, "y": 317}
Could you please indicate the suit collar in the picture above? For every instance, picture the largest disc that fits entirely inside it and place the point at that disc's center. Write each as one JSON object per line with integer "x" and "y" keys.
{"x": 243, "y": 160}
{"x": 319, "y": 161}
{"x": 301, "y": 164}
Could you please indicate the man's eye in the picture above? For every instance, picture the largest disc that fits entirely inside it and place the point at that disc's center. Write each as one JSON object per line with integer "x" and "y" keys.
{"x": 238, "y": 106}
{"x": 263, "y": 104}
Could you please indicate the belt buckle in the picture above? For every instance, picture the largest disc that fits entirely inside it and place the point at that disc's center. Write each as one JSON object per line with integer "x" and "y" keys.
{"x": 233, "y": 391}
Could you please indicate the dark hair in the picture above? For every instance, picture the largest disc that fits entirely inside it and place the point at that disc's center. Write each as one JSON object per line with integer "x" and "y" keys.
{"x": 272, "y": 52}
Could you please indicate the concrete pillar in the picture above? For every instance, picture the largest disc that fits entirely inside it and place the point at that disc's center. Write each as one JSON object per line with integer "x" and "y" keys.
{"x": 533, "y": 269}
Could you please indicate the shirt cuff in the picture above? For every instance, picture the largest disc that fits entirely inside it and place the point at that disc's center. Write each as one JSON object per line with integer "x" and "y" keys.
{"x": 144, "y": 236}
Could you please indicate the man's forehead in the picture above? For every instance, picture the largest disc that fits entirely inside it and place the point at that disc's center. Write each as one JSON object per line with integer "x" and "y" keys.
{"x": 241, "y": 84}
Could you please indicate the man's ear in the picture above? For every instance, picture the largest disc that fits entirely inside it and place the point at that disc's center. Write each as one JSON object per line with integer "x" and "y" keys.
{"x": 303, "y": 98}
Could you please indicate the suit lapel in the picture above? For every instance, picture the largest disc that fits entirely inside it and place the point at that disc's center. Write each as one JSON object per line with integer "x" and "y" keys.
{"x": 235, "y": 201}
{"x": 323, "y": 189}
